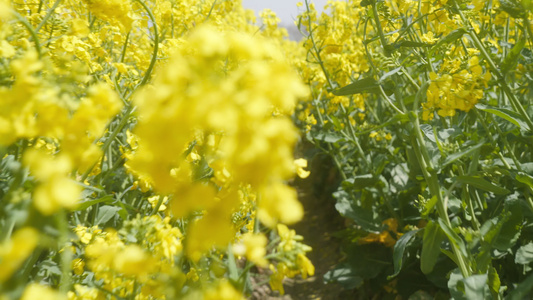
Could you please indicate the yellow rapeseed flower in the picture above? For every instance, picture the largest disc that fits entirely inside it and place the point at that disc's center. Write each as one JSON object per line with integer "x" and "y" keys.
{"x": 14, "y": 251}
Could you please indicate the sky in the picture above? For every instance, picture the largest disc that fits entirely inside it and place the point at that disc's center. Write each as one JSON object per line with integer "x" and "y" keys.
{"x": 286, "y": 10}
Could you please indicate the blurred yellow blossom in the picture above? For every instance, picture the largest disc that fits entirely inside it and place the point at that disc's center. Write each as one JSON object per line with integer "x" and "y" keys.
{"x": 14, "y": 251}
{"x": 300, "y": 164}
{"x": 55, "y": 190}
{"x": 42, "y": 292}
{"x": 253, "y": 247}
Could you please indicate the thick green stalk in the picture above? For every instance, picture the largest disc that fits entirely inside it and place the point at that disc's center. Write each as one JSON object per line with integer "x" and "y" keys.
{"x": 430, "y": 175}
{"x": 66, "y": 254}
{"x": 380, "y": 29}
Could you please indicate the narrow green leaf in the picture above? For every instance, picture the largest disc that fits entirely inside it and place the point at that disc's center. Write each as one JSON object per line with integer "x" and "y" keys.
{"x": 504, "y": 113}
{"x": 482, "y": 184}
{"x": 360, "y": 181}
{"x": 429, "y": 205}
{"x": 433, "y": 236}
{"x": 453, "y": 237}
{"x": 494, "y": 283}
{"x": 410, "y": 44}
{"x": 328, "y": 137}
{"x": 85, "y": 204}
{"x": 399, "y": 249}
{"x": 232, "y": 266}
{"x": 360, "y": 86}
{"x": 455, "y": 156}
{"x": 510, "y": 61}
{"x": 450, "y": 38}
{"x": 389, "y": 74}
{"x": 420, "y": 96}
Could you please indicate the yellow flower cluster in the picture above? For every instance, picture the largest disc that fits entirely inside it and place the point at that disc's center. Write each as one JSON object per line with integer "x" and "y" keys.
{"x": 142, "y": 251}
{"x": 333, "y": 56}
{"x": 210, "y": 138}
{"x": 455, "y": 90}
{"x": 15, "y": 251}
{"x": 293, "y": 262}
{"x": 117, "y": 12}
{"x": 230, "y": 94}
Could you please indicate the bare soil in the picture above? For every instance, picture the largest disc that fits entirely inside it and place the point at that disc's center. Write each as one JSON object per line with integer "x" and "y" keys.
{"x": 321, "y": 219}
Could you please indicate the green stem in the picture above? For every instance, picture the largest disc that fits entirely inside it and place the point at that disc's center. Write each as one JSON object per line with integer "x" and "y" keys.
{"x": 430, "y": 176}
{"x": 354, "y": 137}
{"x": 390, "y": 101}
{"x": 328, "y": 145}
{"x": 343, "y": 109}
{"x": 113, "y": 135}
{"x": 380, "y": 29}
{"x": 48, "y": 15}
{"x": 32, "y": 31}
{"x": 66, "y": 254}
{"x": 156, "y": 44}
{"x": 469, "y": 204}
{"x": 124, "y": 47}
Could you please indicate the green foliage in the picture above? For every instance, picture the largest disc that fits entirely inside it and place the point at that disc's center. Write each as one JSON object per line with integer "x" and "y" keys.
{"x": 457, "y": 181}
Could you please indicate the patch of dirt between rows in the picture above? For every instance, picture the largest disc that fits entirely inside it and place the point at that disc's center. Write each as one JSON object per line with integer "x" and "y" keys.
{"x": 320, "y": 221}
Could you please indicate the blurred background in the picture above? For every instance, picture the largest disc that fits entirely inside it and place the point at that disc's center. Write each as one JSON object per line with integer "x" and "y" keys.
{"x": 286, "y": 10}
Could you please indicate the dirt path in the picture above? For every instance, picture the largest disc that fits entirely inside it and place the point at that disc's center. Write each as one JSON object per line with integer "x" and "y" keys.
{"x": 321, "y": 219}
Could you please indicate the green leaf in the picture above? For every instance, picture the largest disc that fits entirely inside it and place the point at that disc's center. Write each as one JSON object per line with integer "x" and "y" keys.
{"x": 510, "y": 231}
{"x": 429, "y": 205}
{"x": 456, "y": 285}
{"x": 433, "y": 236}
{"x": 481, "y": 183}
{"x": 85, "y": 204}
{"x": 524, "y": 178}
{"x": 399, "y": 249}
{"x": 455, "y": 156}
{"x": 513, "y": 8}
{"x": 494, "y": 282}
{"x": 472, "y": 288}
{"x": 365, "y": 3}
{"x": 524, "y": 254}
{"x": 506, "y": 114}
{"x": 389, "y": 74}
{"x": 105, "y": 213}
{"x": 328, "y": 137}
{"x": 360, "y": 86}
{"x": 345, "y": 276}
{"x": 450, "y": 38}
{"x": 522, "y": 290}
{"x": 509, "y": 63}
{"x": 360, "y": 181}
{"x": 453, "y": 237}
{"x": 476, "y": 287}
{"x": 368, "y": 260}
{"x": 410, "y": 44}
{"x": 232, "y": 266}
{"x": 361, "y": 216}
